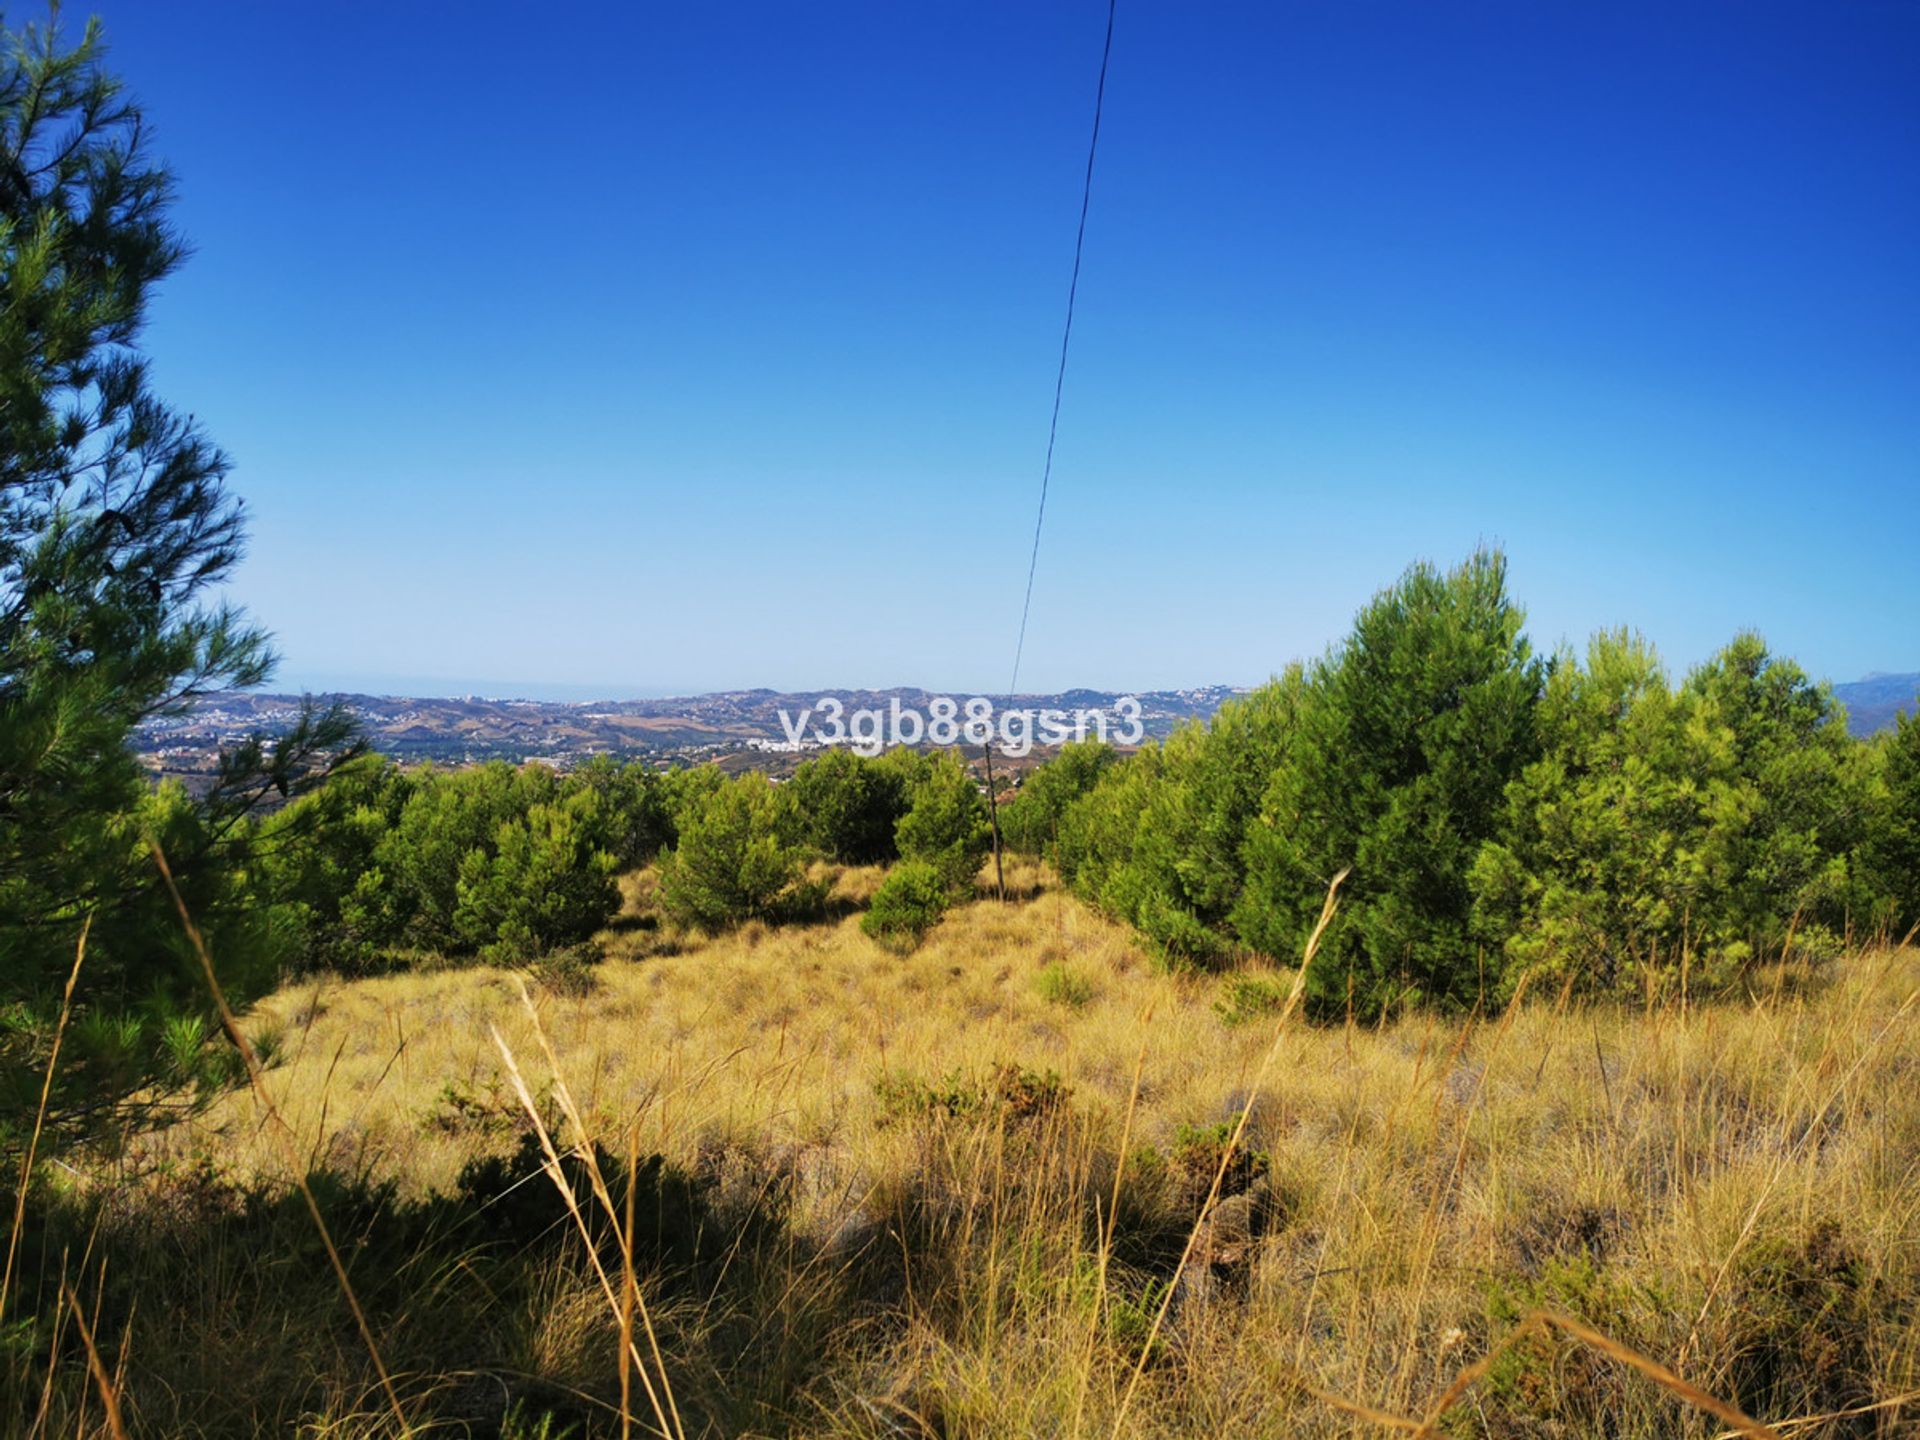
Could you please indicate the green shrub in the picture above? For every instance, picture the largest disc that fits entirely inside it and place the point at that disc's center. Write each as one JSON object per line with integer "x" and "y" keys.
{"x": 848, "y": 806}
{"x": 1786, "y": 788}
{"x": 1807, "y": 1310}
{"x": 459, "y": 1110}
{"x": 1708, "y": 821}
{"x": 909, "y": 903}
{"x": 1196, "y": 1156}
{"x": 316, "y": 868}
{"x": 546, "y": 884}
{"x": 1495, "y": 815}
{"x": 502, "y": 860}
{"x": 1026, "y": 1094}
{"x": 1133, "y": 1321}
{"x": 569, "y": 970}
{"x": 1246, "y": 998}
{"x": 1160, "y": 841}
{"x": 735, "y": 859}
{"x": 1552, "y": 1379}
{"x": 909, "y": 1098}
{"x": 1193, "y": 838}
{"x": 1405, "y": 740}
{"x": 635, "y": 804}
{"x": 1008, "y": 1091}
{"x": 1890, "y": 850}
{"x": 685, "y": 790}
{"x": 1100, "y": 831}
{"x": 449, "y": 817}
{"x": 946, "y": 825}
{"x": 1060, "y": 984}
{"x": 1030, "y": 822}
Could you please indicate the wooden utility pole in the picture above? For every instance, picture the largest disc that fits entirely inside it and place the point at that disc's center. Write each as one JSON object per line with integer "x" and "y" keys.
{"x": 993, "y": 822}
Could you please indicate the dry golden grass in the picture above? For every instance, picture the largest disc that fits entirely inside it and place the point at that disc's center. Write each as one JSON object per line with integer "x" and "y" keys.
{"x": 1463, "y": 1214}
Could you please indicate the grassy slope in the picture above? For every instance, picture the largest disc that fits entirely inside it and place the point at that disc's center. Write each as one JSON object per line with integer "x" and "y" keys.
{"x": 1732, "y": 1189}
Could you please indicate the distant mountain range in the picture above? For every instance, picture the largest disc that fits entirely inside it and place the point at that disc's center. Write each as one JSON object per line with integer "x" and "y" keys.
{"x": 1873, "y": 703}
{"x": 744, "y": 722}
{"x": 733, "y": 723}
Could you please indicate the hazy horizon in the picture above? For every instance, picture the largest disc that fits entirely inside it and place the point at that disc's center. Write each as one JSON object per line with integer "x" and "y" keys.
{"x": 457, "y": 688}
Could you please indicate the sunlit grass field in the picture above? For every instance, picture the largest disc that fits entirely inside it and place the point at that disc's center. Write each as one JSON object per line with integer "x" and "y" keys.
{"x": 985, "y": 1189}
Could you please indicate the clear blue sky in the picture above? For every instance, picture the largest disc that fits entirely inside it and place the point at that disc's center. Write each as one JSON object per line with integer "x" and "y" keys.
{"x": 646, "y": 348}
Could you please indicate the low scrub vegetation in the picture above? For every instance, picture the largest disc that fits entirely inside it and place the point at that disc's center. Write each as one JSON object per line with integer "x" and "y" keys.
{"x": 909, "y": 903}
{"x": 939, "y": 1192}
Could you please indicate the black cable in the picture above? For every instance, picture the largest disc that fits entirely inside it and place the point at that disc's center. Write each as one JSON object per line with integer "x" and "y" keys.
{"x": 1066, "y": 338}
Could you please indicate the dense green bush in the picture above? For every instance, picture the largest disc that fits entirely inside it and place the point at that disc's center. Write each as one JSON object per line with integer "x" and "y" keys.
{"x": 1098, "y": 832}
{"x": 1890, "y": 852}
{"x": 909, "y": 903}
{"x": 315, "y": 869}
{"x": 449, "y": 816}
{"x": 848, "y": 806}
{"x": 1030, "y": 821}
{"x": 946, "y": 823}
{"x": 684, "y": 791}
{"x": 1713, "y": 820}
{"x": 737, "y": 859}
{"x": 638, "y": 806}
{"x": 504, "y": 862}
{"x": 1245, "y": 998}
{"x": 1585, "y": 821}
{"x": 1160, "y": 841}
{"x": 1405, "y": 738}
{"x": 1584, "y": 871}
{"x": 546, "y": 883}
{"x": 1116, "y": 845}
{"x": 1789, "y": 789}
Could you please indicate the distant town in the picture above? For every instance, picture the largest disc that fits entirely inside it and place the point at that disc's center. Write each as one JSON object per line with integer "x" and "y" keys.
{"x": 742, "y": 729}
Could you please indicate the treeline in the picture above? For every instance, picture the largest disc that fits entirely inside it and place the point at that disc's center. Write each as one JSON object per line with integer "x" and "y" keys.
{"x": 387, "y": 866}
{"x": 1575, "y": 818}
{"x": 383, "y": 868}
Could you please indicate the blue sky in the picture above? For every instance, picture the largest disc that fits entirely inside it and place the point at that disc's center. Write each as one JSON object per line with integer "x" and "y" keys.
{"x": 646, "y": 348}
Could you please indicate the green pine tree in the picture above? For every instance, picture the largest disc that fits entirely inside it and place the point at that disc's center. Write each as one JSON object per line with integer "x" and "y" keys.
{"x": 847, "y": 806}
{"x": 116, "y": 527}
{"x": 1404, "y": 741}
{"x": 736, "y": 858}
{"x": 946, "y": 824}
{"x": 1030, "y": 822}
{"x": 1891, "y": 850}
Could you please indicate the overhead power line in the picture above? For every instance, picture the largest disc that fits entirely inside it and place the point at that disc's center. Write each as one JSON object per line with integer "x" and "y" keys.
{"x": 1066, "y": 340}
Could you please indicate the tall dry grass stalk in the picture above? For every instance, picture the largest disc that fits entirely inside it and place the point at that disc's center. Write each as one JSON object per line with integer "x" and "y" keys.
{"x": 629, "y": 1300}
{"x": 1228, "y": 1151}
{"x": 40, "y": 1115}
{"x": 109, "y": 1396}
{"x": 285, "y": 1134}
{"x": 629, "y": 1284}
